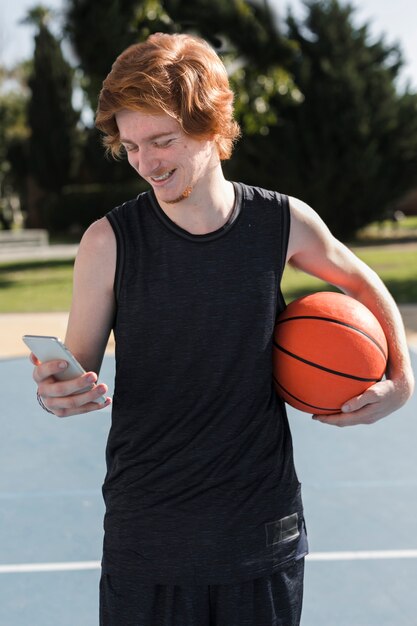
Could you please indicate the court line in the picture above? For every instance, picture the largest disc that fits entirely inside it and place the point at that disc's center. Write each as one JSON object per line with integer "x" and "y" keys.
{"x": 25, "y": 568}
{"x": 52, "y": 493}
{"x": 357, "y": 555}
{"x": 363, "y": 484}
{"x": 362, "y": 555}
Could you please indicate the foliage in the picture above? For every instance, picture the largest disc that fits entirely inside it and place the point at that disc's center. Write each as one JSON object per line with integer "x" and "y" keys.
{"x": 253, "y": 49}
{"x": 244, "y": 34}
{"x": 47, "y": 285}
{"x": 36, "y": 286}
{"x": 397, "y": 266}
{"x": 13, "y": 133}
{"x": 321, "y": 115}
{"x": 52, "y": 119}
{"x": 96, "y": 167}
{"x": 77, "y": 206}
{"x": 99, "y": 31}
{"x": 350, "y": 148}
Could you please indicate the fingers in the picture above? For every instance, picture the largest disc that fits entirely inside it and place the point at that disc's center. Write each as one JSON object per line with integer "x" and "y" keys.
{"x": 53, "y": 388}
{"x": 67, "y": 397}
{"x": 364, "y": 416}
{"x": 77, "y": 403}
{"x": 34, "y": 359}
{"x": 370, "y": 396}
{"x": 47, "y": 369}
{"x": 366, "y": 408}
{"x": 45, "y": 375}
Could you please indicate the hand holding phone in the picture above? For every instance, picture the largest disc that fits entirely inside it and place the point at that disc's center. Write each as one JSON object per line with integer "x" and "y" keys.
{"x": 49, "y": 348}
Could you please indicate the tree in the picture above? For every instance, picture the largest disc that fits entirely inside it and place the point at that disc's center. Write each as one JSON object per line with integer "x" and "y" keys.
{"x": 99, "y": 31}
{"x": 254, "y": 50}
{"x": 51, "y": 116}
{"x": 109, "y": 27}
{"x": 13, "y": 136}
{"x": 243, "y": 32}
{"x": 350, "y": 147}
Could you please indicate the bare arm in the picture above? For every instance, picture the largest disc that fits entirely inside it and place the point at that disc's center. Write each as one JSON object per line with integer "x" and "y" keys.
{"x": 89, "y": 325}
{"x": 93, "y": 305}
{"x": 313, "y": 249}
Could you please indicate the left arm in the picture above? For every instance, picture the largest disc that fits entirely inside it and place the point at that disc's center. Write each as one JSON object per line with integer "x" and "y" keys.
{"x": 313, "y": 249}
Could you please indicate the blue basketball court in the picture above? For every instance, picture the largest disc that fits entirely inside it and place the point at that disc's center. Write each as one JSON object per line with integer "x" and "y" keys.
{"x": 360, "y": 496}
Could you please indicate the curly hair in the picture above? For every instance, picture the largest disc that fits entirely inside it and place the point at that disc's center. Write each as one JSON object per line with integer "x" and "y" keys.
{"x": 180, "y": 75}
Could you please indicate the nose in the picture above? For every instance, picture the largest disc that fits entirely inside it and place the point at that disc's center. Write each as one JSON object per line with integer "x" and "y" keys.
{"x": 145, "y": 162}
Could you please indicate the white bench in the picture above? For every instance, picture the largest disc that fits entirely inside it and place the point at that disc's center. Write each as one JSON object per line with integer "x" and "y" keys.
{"x": 37, "y": 237}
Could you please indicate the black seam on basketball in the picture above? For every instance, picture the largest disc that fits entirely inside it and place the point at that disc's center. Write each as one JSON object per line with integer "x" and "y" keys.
{"x": 312, "y": 406}
{"x": 330, "y": 319}
{"x": 325, "y": 369}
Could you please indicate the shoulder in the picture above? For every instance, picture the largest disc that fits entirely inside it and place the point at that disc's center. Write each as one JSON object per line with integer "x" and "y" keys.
{"x": 301, "y": 210}
{"x": 98, "y": 236}
{"x": 309, "y": 235}
{"x": 98, "y": 246}
{"x": 99, "y": 231}
{"x": 305, "y": 221}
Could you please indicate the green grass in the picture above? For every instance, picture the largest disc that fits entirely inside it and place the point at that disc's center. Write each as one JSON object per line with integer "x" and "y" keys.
{"x": 397, "y": 266}
{"x": 36, "y": 286}
{"x": 387, "y": 230}
{"x": 42, "y": 286}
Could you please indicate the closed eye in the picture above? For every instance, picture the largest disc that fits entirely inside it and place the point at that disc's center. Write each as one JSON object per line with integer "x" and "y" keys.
{"x": 163, "y": 144}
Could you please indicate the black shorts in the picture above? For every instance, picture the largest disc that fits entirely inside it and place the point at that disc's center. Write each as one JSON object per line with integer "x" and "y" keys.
{"x": 274, "y": 600}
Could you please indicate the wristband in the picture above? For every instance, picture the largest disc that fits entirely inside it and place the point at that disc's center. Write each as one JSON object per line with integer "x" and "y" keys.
{"x": 40, "y": 402}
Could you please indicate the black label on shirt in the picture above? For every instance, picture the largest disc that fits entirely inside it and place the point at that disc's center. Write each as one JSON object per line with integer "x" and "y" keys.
{"x": 284, "y": 529}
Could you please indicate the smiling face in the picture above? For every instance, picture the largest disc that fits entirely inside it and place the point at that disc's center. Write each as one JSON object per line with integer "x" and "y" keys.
{"x": 173, "y": 163}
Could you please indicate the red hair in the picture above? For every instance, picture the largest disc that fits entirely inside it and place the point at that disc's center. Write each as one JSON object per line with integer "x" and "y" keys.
{"x": 180, "y": 75}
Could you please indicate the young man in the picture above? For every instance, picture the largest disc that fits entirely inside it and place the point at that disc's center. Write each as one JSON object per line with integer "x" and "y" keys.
{"x": 204, "y": 520}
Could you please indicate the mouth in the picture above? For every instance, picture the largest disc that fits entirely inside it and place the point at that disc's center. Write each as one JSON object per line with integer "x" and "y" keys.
{"x": 163, "y": 177}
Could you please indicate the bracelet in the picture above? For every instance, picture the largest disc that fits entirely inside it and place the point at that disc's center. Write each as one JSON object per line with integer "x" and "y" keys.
{"x": 40, "y": 402}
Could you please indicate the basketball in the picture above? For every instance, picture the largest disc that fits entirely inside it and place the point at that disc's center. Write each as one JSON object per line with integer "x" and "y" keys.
{"x": 327, "y": 348}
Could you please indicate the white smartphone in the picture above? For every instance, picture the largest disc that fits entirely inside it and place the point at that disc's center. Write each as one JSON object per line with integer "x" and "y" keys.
{"x": 48, "y": 348}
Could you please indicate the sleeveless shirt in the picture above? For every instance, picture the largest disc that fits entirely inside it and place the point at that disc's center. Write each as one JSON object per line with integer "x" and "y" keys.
{"x": 200, "y": 485}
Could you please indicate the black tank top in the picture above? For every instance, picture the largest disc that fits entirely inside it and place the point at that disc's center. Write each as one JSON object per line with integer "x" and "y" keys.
{"x": 201, "y": 486}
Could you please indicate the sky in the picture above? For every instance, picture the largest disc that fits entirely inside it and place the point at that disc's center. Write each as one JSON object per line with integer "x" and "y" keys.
{"x": 396, "y": 20}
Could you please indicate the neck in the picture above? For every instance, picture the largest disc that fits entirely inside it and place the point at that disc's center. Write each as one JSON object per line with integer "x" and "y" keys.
{"x": 208, "y": 206}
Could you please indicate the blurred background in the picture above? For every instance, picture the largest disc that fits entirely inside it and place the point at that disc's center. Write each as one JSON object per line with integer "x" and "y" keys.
{"x": 325, "y": 93}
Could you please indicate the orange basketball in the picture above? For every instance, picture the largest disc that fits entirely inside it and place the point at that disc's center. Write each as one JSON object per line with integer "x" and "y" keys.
{"x": 328, "y": 347}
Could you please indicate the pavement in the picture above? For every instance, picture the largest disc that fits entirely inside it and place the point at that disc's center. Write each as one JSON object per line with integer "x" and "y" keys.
{"x": 359, "y": 493}
{"x": 14, "y": 325}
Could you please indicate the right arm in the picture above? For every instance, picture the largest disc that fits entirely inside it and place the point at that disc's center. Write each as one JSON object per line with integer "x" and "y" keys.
{"x": 89, "y": 325}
